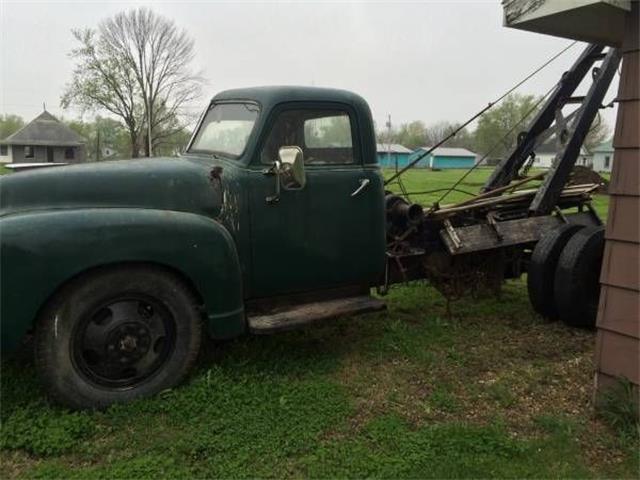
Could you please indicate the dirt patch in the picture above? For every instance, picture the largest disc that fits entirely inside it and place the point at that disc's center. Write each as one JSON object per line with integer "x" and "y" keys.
{"x": 581, "y": 175}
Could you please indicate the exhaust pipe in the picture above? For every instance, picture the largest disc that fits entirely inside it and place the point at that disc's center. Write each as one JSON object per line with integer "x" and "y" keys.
{"x": 400, "y": 212}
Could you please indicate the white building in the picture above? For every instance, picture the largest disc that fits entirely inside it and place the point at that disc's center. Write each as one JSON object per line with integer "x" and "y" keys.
{"x": 546, "y": 153}
{"x": 603, "y": 157}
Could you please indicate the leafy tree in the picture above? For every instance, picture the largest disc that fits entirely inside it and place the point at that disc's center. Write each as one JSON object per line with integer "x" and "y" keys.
{"x": 411, "y": 135}
{"x": 334, "y": 131}
{"x": 415, "y": 134}
{"x": 172, "y": 144}
{"x": 598, "y": 133}
{"x": 135, "y": 65}
{"x": 494, "y": 127}
{"x": 10, "y": 124}
{"x": 436, "y": 132}
{"x": 102, "y": 133}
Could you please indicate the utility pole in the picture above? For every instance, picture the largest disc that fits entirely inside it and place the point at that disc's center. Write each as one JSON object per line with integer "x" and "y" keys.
{"x": 97, "y": 144}
{"x": 389, "y": 142}
{"x": 149, "y": 127}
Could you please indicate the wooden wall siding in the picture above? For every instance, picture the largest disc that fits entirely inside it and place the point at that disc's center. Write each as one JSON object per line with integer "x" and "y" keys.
{"x": 617, "y": 303}
{"x": 614, "y": 350}
{"x": 618, "y": 225}
{"x": 618, "y": 338}
{"x": 620, "y": 265}
{"x": 624, "y": 179}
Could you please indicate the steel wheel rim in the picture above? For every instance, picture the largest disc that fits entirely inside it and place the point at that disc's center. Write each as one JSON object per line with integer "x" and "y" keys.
{"x": 124, "y": 341}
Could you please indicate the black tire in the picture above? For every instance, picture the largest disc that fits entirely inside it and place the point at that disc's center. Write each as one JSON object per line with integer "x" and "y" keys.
{"x": 542, "y": 269}
{"x": 115, "y": 335}
{"x": 577, "y": 279}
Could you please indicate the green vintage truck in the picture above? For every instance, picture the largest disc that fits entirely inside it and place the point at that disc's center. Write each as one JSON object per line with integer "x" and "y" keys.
{"x": 275, "y": 216}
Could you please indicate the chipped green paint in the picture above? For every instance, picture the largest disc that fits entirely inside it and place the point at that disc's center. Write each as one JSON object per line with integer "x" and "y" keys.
{"x": 206, "y": 218}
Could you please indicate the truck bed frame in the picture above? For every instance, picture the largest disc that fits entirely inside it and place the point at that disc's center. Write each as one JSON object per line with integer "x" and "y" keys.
{"x": 504, "y": 221}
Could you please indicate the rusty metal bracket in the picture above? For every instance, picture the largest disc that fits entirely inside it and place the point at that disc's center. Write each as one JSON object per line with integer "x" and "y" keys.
{"x": 452, "y": 234}
{"x": 561, "y": 214}
{"x": 494, "y": 225}
{"x": 384, "y": 288}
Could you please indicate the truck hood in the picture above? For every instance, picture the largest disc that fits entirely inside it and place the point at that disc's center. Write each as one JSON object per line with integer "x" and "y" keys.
{"x": 180, "y": 184}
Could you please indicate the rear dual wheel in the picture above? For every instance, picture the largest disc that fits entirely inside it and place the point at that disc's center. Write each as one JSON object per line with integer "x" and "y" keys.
{"x": 116, "y": 335}
{"x": 577, "y": 279}
{"x": 563, "y": 277}
{"x": 542, "y": 269}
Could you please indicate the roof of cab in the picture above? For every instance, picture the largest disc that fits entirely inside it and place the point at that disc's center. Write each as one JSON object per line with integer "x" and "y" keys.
{"x": 269, "y": 96}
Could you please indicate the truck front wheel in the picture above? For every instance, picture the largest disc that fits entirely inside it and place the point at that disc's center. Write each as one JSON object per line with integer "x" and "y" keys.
{"x": 116, "y": 335}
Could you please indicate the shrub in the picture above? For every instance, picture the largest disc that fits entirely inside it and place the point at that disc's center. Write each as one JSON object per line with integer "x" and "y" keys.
{"x": 618, "y": 406}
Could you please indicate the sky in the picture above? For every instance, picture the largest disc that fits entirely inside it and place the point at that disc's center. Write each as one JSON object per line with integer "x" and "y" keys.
{"x": 429, "y": 60}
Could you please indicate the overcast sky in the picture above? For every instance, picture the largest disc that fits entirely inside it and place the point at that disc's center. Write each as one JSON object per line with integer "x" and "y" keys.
{"x": 430, "y": 60}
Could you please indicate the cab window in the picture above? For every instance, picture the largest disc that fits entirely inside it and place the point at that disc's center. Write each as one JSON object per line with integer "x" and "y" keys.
{"x": 325, "y": 136}
{"x": 225, "y": 129}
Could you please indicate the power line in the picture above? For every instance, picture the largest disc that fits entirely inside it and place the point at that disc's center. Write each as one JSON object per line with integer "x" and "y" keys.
{"x": 477, "y": 115}
{"x": 494, "y": 147}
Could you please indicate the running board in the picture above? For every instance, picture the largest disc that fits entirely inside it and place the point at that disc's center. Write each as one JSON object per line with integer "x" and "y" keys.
{"x": 306, "y": 313}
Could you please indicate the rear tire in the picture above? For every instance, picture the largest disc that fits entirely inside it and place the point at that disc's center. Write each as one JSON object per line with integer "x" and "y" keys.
{"x": 577, "y": 279}
{"x": 542, "y": 269}
{"x": 116, "y": 335}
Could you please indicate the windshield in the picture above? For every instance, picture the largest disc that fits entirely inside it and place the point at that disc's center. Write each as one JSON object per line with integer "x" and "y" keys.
{"x": 225, "y": 129}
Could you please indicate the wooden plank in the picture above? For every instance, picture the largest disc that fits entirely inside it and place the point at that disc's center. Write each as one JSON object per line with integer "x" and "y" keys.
{"x": 618, "y": 355}
{"x": 304, "y": 314}
{"x": 620, "y": 226}
{"x": 626, "y": 172}
{"x": 619, "y": 310}
{"x": 620, "y": 265}
{"x": 519, "y": 196}
{"x": 475, "y": 238}
{"x": 497, "y": 191}
{"x": 629, "y": 88}
{"x": 627, "y": 125}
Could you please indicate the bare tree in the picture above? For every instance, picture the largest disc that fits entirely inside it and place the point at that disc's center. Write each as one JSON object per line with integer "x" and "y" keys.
{"x": 598, "y": 133}
{"x": 136, "y": 65}
{"x": 436, "y": 132}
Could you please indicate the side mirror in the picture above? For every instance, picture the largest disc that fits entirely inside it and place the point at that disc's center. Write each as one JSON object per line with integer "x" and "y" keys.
{"x": 292, "y": 175}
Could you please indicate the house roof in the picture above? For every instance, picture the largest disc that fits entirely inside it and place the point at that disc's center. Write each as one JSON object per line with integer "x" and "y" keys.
{"x": 450, "y": 152}
{"x": 391, "y": 147}
{"x": 551, "y": 147}
{"x": 45, "y": 129}
{"x": 605, "y": 147}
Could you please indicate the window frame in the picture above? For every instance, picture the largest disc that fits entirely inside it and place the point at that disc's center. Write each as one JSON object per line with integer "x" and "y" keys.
{"x": 73, "y": 153}
{"x": 4, "y": 148}
{"x": 32, "y": 150}
{"x": 190, "y": 150}
{"x": 276, "y": 111}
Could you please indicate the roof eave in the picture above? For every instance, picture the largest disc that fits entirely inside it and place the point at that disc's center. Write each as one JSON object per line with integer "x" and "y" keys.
{"x": 38, "y": 143}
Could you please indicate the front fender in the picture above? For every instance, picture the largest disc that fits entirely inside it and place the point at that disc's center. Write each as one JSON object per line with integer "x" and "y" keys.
{"x": 39, "y": 251}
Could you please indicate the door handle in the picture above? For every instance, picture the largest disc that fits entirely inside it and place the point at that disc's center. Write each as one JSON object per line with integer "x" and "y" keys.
{"x": 363, "y": 183}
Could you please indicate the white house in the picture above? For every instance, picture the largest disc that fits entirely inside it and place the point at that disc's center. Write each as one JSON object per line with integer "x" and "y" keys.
{"x": 603, "y": 157}
{"x": 546, "y": 152}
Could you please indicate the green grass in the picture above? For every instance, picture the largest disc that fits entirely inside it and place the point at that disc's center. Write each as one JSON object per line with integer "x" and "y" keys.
{"x": 492, "y": 391}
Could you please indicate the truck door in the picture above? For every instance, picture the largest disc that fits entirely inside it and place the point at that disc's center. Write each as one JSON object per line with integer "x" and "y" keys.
{"x": 322, "y": 235}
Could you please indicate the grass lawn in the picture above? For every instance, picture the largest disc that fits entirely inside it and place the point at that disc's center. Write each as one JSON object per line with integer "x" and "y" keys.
{"x": 492, "y": 391}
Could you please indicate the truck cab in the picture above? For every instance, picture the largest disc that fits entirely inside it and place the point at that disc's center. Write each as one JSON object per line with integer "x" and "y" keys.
{"x": 272, "y": 218}
{"x": 324, "y": 228}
